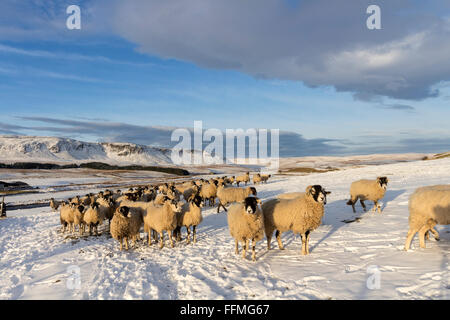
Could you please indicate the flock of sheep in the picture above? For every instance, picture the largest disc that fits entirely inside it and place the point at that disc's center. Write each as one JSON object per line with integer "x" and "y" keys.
{"x": 160, "y": 208}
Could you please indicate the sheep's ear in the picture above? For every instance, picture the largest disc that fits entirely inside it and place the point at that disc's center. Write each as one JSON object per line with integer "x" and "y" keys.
{"x": 327, "y": 192}
{"x": 310, "y": 190}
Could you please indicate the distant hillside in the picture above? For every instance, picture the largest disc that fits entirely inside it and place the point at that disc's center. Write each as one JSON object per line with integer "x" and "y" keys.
{"x": 62, "y": 150}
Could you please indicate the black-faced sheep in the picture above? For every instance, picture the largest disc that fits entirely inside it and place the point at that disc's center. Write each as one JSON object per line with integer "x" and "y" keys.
{"x": 190, "y": 216}
{"x": 246, "y": 222}
{"x": 300, "y": 215}
{"x": 372, "y": 190}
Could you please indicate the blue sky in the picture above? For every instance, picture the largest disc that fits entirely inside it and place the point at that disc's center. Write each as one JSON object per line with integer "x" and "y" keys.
{"x": 336, "y": 87}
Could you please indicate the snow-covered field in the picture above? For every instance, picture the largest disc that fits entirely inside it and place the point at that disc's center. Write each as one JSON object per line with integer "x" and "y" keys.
{"x": 35, "y": 256}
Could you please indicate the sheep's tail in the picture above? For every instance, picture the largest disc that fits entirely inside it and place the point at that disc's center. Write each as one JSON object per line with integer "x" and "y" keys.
{"x": 350, "y": 202}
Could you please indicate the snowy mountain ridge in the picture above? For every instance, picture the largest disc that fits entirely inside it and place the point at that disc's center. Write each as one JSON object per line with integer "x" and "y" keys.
{"x": 64, "y": 150}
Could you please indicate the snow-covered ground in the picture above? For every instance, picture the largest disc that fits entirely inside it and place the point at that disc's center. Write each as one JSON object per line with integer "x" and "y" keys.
{"x": 35, "y": 256}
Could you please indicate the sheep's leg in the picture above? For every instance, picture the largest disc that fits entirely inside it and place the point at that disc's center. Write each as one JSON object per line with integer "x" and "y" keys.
{"x": 170, "y": 238}
{"x": 435, "y": 233}
{"x": 303, "y": 244}
{"x": 308, "y": 233}
{"x": 149, "y": 235}
{"x": 376, "y": 206}
{"x": 161, "y": 240}
{"x": 121, "y": 243}
{"x": 244, "y": 253}
{"x": 254, "y": 250}
{"x": 126, "y": 242}
{"x": 409, "y": 237}
{"x": 188, "y": 236}
{"x": 422, "y": 232}
{"x": 280, "y": 244}
{"x": 236, "y": 249}
{"x": 269, "y": 239}
{"x": 177, "y": 233}
{"x": 363, "y": 205}
{"x": 194, "y": 233}
{"x": 90, "y": 229}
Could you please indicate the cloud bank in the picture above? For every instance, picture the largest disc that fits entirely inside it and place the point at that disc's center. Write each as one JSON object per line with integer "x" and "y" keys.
{"x": 317, "y": 42}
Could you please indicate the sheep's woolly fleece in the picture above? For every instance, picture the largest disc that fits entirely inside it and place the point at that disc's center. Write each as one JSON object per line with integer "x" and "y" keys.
{"x": 34, "y": 256}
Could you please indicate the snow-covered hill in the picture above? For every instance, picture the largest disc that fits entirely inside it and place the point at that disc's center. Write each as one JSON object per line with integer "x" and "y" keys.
{"x": 53, "y": 149}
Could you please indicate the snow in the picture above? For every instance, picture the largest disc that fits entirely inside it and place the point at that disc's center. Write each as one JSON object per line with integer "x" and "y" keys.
{"x": 35, "y": 256}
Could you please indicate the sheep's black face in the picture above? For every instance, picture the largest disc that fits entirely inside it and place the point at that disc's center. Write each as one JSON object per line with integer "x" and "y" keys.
{"x": 253, "y": 190}
{"x": 383, "y": 181}
{"x": 251, "y": 205}
{"x": 319, "y": 194}
{"x": 198, "y": 201}
{"x": 80, "y": 209}
{"x": 124, "y": 211}
{"x": 94, "y": 205}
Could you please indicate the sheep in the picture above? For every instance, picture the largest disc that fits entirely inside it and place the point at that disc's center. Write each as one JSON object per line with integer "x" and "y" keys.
{"x": 184, "y": 186}
{"x": 75, "y": 200}
{"x": 428, "y": 206}
{"x": 229, "y": 195}
{"x": 290, "y": 195}
{"x": 54, "y": 204}
{"x": 108, "y": 206}
{"x": 78, "y": 215}
{"x": 72, "y": 215}
{"x": 230, "y": 180}
{"x": 244, "y": 178}
{"x": 125, "y": 224}
{"x": 246, "y": 222}
{"x": 257, "y": 178}
{"x": 160, "y": 219}
{"x": 190, "y": 215}
{"x": 373, "y": 190}
{"x": 300, "y": 215}
{"x": 265, "y": 177}
{"x": 65, "y": 215}
{"x": 191, "y": 191}
{"x": 93, "y": 217}
{"x": 209, "y": 191}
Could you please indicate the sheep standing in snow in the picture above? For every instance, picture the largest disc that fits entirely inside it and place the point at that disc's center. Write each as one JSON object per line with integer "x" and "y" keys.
{"x": 246, "y": 222}
{"x": 72, "y": 215}
{"x": 188, "y": 193}
{"x": 300, "y": 215}
{"x": 372, "y": 190}
{"x": 208, "y": 191}
{"x": 54, "y": 204}
{"x": 93, "y": 217}
{"x": 189, "y": 216}
{"x": 229, "y": 195}
{"x": 126, "y": 224}
{"x": 428, "y": 206}
{"x": 244, "y": 178}
{"x": 257, "y": 178}
{"x": 265, "y": 177}
{"x": 160, "y": 219}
